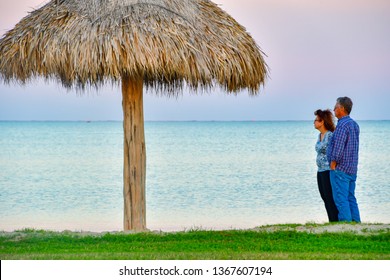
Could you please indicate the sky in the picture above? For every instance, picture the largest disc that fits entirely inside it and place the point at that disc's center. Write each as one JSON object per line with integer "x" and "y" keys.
{"x": 317, "y": 50}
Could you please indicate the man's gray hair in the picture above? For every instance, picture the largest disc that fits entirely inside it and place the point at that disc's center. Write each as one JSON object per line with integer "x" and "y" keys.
{"x": 346, "y": 102}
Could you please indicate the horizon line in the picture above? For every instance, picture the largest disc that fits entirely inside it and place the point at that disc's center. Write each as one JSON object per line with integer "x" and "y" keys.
{"x": 89, "y": 121}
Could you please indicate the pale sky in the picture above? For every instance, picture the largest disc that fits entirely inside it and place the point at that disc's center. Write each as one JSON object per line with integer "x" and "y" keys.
{"x": 317, "y": 50}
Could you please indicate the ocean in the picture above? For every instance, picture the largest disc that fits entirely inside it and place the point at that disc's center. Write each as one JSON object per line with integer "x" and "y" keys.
{"x": 200, "y": 175}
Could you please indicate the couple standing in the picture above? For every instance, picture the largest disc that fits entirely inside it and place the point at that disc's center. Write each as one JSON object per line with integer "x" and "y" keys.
{"x": 337, "y": 159}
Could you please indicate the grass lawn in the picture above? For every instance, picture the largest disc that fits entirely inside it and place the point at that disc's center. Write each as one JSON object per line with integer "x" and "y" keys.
{"x": 285, "y": 243}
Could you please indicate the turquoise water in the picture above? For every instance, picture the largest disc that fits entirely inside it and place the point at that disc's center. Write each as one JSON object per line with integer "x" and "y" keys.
{"x": 213, "y": 175}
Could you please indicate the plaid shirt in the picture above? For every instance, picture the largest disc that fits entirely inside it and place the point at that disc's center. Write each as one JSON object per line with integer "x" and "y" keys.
{"x": 344, "y": 146}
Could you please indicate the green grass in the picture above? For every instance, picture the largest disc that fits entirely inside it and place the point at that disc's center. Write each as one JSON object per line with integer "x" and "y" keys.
{"x": 196, "y": 244}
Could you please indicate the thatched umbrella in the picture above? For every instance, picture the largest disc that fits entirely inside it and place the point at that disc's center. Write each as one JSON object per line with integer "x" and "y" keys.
{"x": 165, "y": 45}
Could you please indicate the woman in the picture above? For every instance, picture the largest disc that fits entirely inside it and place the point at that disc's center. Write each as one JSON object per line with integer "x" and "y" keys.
{"x": 325, "y": 125}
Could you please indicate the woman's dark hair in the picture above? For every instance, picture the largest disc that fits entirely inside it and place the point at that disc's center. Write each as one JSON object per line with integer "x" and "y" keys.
{"x": 327, "y": 117}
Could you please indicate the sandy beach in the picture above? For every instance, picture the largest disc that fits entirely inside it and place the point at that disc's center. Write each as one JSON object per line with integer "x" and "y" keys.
{"x": 360, "y": 229}
{"x": 364, "y": 229}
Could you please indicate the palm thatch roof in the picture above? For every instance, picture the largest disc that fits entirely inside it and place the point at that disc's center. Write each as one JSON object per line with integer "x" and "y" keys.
{"x": 169, "y": 43}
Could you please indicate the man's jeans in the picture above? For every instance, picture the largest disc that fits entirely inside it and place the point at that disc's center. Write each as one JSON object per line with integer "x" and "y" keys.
{"x": 343, "y": 187}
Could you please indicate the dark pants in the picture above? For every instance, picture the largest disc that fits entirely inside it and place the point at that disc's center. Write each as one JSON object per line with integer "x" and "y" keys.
{"x": 325, "y": 188}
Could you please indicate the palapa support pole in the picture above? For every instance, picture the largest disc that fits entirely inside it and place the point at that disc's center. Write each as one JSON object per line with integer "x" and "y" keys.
{"x": 134, "y": 166}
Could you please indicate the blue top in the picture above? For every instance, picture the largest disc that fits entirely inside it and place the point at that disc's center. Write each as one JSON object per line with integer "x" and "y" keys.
{"x": 344, "y": 146}
{"x": 321, "y": 147}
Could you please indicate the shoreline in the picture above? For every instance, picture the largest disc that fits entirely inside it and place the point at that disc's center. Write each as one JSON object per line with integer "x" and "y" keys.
{"x": 312, "y": 228}
{"x": 356, "y": 228}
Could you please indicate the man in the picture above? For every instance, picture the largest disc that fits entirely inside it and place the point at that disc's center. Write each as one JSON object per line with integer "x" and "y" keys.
{"x": 343, "y": 153}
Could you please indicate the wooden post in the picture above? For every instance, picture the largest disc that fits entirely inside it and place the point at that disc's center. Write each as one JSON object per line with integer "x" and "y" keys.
{"x": 134, "y": 166}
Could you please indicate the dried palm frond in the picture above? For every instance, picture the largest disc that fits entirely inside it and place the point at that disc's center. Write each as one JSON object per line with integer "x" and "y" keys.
{"x": 169, "y": 43}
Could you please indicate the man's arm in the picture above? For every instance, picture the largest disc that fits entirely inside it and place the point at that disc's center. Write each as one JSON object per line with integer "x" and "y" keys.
{"x": 338, "y": 145}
